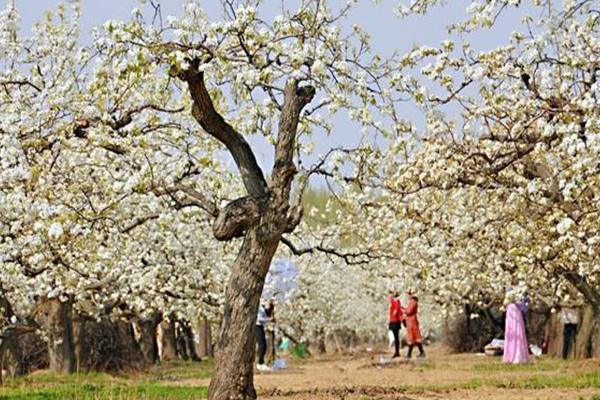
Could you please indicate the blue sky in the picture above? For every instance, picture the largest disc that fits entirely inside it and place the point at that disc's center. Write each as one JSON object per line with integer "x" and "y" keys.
{"x": 388, "y": 33}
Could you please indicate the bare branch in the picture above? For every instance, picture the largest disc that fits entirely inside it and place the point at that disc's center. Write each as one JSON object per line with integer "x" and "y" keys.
{"x": 350, "y": 258}
{"x": 215, "y": 125}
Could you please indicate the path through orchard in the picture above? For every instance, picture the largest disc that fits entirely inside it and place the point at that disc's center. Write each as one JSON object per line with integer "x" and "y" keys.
{"x": 440, "y": 376}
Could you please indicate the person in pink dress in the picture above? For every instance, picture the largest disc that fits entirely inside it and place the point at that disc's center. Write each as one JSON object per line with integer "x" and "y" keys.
{"x": 516, "y": 348}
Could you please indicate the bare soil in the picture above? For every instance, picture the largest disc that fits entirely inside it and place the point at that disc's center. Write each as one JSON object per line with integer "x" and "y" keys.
{"x": 361, "y": 376}
{"x": 439, "y": 376}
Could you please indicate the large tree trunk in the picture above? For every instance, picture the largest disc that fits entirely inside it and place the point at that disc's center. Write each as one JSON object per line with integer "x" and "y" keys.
{"x": 204, "y": 339}
{"x": 188, "y": 335}
{"x": 80, "y": 344}
{"x": 131, "y": 353}
{"x": 262, "y": 217}
{"x": 168, "y": 340}
{"x": 58, "y": 323}
{"x": 234, "y": 374}
{"x": 587, "y": 341}
{"x": 148, "y": 342}
{"x": 11, "y": 356}
{"x": 182, "y": 350}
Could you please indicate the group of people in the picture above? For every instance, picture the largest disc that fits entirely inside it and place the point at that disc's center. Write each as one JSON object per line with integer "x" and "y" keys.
{"x": 516, "y": 347}
{"x": 400, "y": 316}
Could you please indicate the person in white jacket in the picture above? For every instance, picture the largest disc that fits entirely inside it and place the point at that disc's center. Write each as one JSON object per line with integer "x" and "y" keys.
{"x": 261, "y": 321}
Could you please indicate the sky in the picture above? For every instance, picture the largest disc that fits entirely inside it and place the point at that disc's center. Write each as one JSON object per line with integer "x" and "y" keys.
{"x": 388, "y": 33}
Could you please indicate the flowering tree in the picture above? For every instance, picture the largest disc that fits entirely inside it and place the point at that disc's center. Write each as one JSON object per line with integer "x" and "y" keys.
{"x": 92, "y": 147}
{"x": 105, "y": 159}
{"x": 504, "y": 189}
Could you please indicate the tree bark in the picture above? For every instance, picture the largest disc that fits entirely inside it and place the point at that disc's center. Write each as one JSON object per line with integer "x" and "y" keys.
{"x": 261, "y": 217}
{"x": 204, "y": 342}
{"x": 148, "y": 341}
{"x": 182, "y": 349}
{"x": 58, "y": 323}
{"x": 80, "y": 344}
{"x": 168, "y": 341}
{"x": 188, "y": 336}
{"x": 131, "y": 357}
{"x": 587, "y": 341}
{"x": 11, "y": 357}
{"x": 233, "y": 378}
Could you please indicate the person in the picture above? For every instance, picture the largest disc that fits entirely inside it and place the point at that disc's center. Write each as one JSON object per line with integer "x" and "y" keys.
{"x": 413, "y": 333}
{"x": 395, "y": 320}
{"x": 261, "y": 321}
{"x": 516, "y": 348}
{"x": 270, "y": 330}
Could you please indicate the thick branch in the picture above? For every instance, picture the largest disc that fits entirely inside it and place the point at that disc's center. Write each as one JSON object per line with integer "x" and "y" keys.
{"x": 236, "y": 218}
{"x": 213, "y": 123}
{"x": 582, "y": 285}
{"x": 199, "y": 199}
{"x": 195, "y": 198}
{"x": 295, "y": 98}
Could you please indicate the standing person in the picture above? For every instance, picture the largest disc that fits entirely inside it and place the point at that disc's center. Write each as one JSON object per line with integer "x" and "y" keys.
{"x": 395, "y": 320}
{"x": 261, "y": 321}
{"x": 270, "y": 329}
{"x": 413, "y": 333}
{"x": 516, "y": 348}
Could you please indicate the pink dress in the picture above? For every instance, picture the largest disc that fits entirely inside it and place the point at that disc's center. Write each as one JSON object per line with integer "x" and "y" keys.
{"x": 516, "y": 348}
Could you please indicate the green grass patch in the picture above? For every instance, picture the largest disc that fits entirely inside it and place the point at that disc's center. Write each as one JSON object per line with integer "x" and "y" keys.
{"x": 542, "y": 364}
{"x": 182, "y": 370}
{"x": 90, "y": 391}
{"x": 154, "y": 384}
{"x": 584, "y": 380}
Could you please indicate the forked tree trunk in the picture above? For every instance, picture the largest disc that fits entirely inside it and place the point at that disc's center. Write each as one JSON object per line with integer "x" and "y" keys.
{"x": 235, "y": 350}
{"x": 262, "y": 217}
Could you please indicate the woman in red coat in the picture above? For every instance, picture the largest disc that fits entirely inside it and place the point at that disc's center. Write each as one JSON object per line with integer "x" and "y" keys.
{"x": 413, "y": 334}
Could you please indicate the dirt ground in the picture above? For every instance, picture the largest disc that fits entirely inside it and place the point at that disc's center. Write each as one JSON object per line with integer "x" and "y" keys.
{"x": 361, "y": 376}
{"x": 439, "y": 376}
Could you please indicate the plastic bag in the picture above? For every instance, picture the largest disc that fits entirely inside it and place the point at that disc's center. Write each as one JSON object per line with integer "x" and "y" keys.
{"x": 280, "y": 363}
{"x": 284, "y": 345}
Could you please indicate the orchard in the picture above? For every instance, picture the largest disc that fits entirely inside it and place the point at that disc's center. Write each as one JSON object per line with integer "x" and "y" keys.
{"x": 181, "y": 194}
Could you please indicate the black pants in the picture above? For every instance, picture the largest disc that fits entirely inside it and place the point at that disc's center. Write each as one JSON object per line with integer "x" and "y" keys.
{"x": 568, "y": 338}
{"x": 395, "y": 328}
{"x": 259, "y": 330}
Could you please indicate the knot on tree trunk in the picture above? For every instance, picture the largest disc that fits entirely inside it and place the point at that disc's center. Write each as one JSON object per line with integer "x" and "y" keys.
{"x": 235, "y": 218}
{"x": 305, "y": 94}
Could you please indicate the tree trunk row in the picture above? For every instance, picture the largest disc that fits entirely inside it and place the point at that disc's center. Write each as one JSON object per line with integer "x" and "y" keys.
{"x": 586, "y": 342}
{"x": 78, "y": 343}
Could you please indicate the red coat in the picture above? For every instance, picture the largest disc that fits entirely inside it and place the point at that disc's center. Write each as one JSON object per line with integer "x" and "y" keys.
{"x": 395, "y": 310}
{"x": 413, "y": 334}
